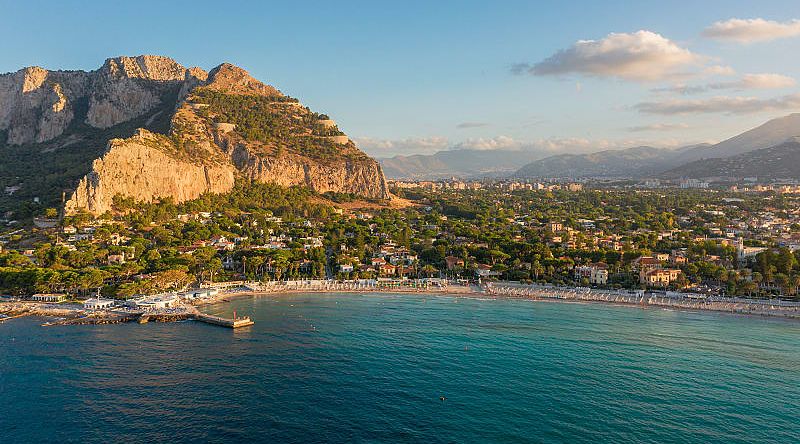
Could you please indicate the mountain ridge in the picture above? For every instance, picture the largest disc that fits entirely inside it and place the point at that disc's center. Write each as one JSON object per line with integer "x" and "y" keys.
{"x": 111, "y": 131}
{"x": 668, "y": 163}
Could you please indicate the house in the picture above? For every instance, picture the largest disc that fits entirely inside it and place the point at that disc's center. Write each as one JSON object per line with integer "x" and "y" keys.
{"x": 377, "y": 262}
{"x": 453, "y": 262}
{"x": 595, "y": 274}
{"x": 345, "y": 268}
{"x": 484, "y": 270}
{"x": 555, "y": 226}
{"x": 98, "y": 304}
{"x": 678, "y": 258}
{"x": 229, "y": 263}
{"x": 117, "y": 239}
{"x": 157, "y": 302}
{"x": 645, "y": 263}
{"x": 659, "y": 277}
{"x": 202, "y": 293}
{"x": 387, "y": 270}
{"x": 225, "y": 245}
{"x": 115, "y": 259}
{"x": 305, "y": 266}
{"x": 49, "y": 297}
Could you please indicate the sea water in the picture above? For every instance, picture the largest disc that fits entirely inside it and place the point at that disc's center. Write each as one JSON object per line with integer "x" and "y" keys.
{"x": 405, "y": 368}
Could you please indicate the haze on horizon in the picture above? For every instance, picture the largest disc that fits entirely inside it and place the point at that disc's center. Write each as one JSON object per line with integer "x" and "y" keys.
{"x": 418, "y": 78}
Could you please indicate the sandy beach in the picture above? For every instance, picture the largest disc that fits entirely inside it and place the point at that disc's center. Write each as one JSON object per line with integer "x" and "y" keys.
{"x": 75, "y": 314}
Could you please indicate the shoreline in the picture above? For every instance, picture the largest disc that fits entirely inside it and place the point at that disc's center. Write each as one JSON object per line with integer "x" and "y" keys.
{"x": 644, "y": 302}
{"x": 73, "y": 314}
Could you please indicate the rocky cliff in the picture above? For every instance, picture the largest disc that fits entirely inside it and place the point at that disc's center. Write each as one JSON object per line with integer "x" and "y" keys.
{"x": 37, "y": 105}
{"x": 360, "y": 177}
{"x": 140, "y": 168}
{"x": 204, "y": 130}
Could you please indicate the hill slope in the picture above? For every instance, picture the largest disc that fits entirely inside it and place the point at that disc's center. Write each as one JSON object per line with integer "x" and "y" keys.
{"x": 645, "y": 161}
{"x": 771, "y": 133}
{"x": 630, "y": 162}
{"x": 778, "y": 162}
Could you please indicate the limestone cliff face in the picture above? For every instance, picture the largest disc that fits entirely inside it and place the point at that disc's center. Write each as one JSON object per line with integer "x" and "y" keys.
{"x": 362, "y": 177}
{"x": 37, "y": 105}
{"x": 139, "y": 167}
{"x": 127, "y": 87}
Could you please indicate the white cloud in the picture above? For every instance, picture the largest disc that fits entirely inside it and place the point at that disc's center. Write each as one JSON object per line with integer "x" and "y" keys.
{"x": 658, "y": 127}
{"x": 466, "y": 125}
{"x": 748, "y": 81}
{"x": 752, "y": 30}
{"x": 766, "y": 81}
{"x": 382, "y": 148}
{"x": 406, "y": 147}
{"x": 640, "y": 56}
{"x": 719, "y": 70}
{"x": 493, "y": 143}
{"x": 721, "y": 104}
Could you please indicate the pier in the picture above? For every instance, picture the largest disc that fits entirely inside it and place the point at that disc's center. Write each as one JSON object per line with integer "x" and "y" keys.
{"x": 235, "y": 322}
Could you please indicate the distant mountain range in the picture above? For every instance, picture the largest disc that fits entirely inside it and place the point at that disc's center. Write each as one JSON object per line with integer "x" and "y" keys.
{"x": 459, "y": 163}
{"x": 774, "y": 132}
{"x": 764, "y": 149}
{"x": 638, "y": 161}
{"x": 777, "y": 162}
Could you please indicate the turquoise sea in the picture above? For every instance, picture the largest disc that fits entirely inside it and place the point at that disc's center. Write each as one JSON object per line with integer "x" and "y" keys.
{"x": 374, "y": 368}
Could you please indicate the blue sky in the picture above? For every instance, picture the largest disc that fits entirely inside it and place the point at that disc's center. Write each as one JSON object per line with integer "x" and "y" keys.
{"x": 408, "y": 77}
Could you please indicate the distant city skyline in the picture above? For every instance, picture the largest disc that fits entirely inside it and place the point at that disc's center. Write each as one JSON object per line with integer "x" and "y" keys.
{"x": 413, "y": 77}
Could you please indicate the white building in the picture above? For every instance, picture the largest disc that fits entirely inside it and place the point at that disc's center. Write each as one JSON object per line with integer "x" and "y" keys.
{"x": 49, "y": 297}
{"x": 693, "y": 183}
{"x": 157, "y": 302}
{"x": 98, "y": 304}
{"x": 595, "y": 274}
{"x": 202, "y": 293}
{"x": 743, "y": 253}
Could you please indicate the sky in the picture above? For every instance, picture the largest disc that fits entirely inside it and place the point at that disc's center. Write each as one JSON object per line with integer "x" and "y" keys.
{"x": 417, "y": 77}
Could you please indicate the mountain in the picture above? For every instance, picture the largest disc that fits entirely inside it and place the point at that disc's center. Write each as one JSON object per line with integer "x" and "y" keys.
{"x": 458, "y": 163}
{"x": 778, "y": 162}
{"x": 630, "y": 162}
{"x": 769, "y": 134}
{"x": 148, "y": 128}
{"x": 682, "y": 162}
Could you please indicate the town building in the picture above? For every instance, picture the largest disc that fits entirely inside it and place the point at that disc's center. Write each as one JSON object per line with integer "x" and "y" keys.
{"x": 483, "y": 270}
{"x": 98, "y": 304}
{"x": 595, "y": 274}
{"x": 49, "y": 297}
{"x": 157, "y": 302}
{"x": 659, "y": 277}
{"x": 453, "y": 262}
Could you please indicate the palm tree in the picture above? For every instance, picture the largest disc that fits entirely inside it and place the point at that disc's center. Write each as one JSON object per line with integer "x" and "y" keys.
{"x": 795, "y": 283}
{"x": 429, "y": 270}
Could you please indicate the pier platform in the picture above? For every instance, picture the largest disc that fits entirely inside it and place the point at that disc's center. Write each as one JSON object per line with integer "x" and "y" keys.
{"x": 236, "y": 322}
